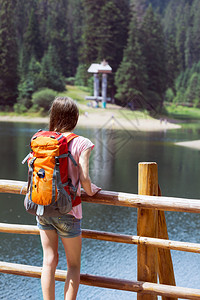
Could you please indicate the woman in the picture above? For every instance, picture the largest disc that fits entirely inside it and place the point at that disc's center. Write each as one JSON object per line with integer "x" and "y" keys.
{"x": 63, "y": 118}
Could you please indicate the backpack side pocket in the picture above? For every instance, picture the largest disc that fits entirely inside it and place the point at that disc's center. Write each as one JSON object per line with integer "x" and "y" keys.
{"x": 64, "y": 201}
{"x": 30, "y": 206}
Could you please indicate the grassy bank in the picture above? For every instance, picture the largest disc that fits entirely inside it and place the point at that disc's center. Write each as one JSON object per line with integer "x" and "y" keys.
{"x": 79, "y": 93}
{"x": 114, "y": 116}
{"x": 75, "y": 92}
{"x": 182, "y": 112}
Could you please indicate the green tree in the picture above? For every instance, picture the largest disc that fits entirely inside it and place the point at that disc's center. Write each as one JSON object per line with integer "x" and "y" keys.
{"x": 197, "y": 98}
{"x": 159, "y": 5}
{"x": 61, "y": 26}
{"x": 169, "y": 19}
{"x": 22, "y": 11}
{"x": 153, "y": 48}
{"x": 189, "y": 52}
{"x": 105, "y": 24}
{"x": 74, "y": 34}
{"x": 195, "y": 15}
{"x": 92, "y": 23}
{"x": 178, "y": 22}
{"x": 82, "y": 76}
{"x": 139, "y": 7}
{"x": 51, "y": 74}
{"x": 192, "y": 90}
{"x": 182, "y": 26}
{"x": 29, "y": 83}
{"x": 131, "y": 78}
{"x": 21, "y": 19}
{"x": 32, "y": 45}
{"x": 113, "y": 29}
{"x": 172, "y": 63}
{"x": 57, "y": 33}
{"x": 169, "y": 95}
{"x": 180, "y": 96}
{"x": 8, "y": 54}
{"x": 32, "y": 39}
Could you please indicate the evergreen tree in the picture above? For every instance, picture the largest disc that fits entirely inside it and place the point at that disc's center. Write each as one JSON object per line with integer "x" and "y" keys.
{"x": 21, "y": 19}
{"x": 180, "y": 97}
{"x": 197, "y": 98}
{"x": 130, "y": 78}
{"x": 172, "y": 63}
{"x": 183, "y": 79}
{"x": 153, "y": 44}
{"x": 178, "y": 22}
{"x": 159, "y": 5}
{"x": 189, "y": 53}
{"x": 44, "y": 11}
{"x": 192, "y": 90}
{"x": 57, "y": 32}
{"x": 74, "y": 34}
{"x": 169, "y": 20}
{"x": 92, "y": 23}
{"x": 89, "y": 47}
{"x": 114, "y": 28}
{"x": 139, "y": 7}
{"x": 183, "y": 13}
{"x": 61, "y": 26}
{"x": 51, "y": 74}
{"x": 29, "y": 83}
{"x": 105, "y": 24}
{"x": 195, "y": 16}
{"x": 8, "y": 54}
{"x": 197, "y": 67}
{"x": 32, "y": 39}
{"x": 82, "y": 77}
{"x": 32, "y": 45}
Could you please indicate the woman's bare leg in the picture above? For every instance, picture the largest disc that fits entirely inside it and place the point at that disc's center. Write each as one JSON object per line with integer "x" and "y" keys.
{"x": 49, "y": 240}
{"x": 72, "y": 248}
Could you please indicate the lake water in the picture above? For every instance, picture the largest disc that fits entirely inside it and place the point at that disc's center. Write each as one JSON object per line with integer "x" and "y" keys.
{"x": 114, "y": 163}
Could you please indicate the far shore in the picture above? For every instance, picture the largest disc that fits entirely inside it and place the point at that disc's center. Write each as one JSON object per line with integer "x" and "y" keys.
{"x": 108, "y": 120}
{"x": 104, "y": 120}
{"x": 114, "y": 117}
{"x": 190, "y": 144}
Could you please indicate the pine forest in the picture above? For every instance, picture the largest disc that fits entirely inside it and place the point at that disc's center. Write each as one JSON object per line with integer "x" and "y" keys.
{"x": 153, "y": 47}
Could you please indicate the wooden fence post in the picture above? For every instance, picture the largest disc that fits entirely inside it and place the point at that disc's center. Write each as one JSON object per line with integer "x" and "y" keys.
{"x": 147, "y": 225}
{"x": 165, "y": 265}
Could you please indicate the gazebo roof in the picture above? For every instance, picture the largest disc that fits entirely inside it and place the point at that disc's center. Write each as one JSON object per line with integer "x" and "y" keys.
{"x": 103, "y": 67}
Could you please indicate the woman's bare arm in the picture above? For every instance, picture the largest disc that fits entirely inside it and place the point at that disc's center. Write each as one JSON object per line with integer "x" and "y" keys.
{"x": 90, "y": 188}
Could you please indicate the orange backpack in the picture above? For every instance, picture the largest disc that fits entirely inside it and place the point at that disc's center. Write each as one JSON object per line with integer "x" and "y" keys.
{"x": 50, "y": 191}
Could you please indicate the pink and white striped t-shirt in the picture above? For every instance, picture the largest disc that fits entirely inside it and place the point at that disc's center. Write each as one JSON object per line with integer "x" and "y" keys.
{"x": 76, "y": 147}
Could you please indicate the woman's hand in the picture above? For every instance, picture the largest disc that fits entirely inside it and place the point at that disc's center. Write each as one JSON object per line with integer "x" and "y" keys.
{"x": 90, "y": 188}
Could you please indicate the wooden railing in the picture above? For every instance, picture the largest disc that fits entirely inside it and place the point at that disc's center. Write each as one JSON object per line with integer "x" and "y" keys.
{"x": 153, "y": 251}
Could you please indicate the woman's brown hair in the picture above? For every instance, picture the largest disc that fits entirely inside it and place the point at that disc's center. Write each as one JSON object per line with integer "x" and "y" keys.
{"x": 64, "y": 115}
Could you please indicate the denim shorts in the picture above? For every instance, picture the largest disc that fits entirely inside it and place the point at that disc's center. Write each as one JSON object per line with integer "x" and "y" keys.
{"x": 66, "y": 226}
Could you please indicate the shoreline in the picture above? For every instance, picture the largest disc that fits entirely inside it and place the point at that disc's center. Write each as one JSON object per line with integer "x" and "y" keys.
{"x": 106, "y": 120}
{"x": 190, "y": 144}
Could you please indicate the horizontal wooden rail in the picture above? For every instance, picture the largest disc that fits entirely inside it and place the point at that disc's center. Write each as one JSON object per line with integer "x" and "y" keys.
{"x": 146, "y": 287}
{"x": 111, "y": 237}
{"x": 120, "y": 199}
{"x": 107, "y": 282}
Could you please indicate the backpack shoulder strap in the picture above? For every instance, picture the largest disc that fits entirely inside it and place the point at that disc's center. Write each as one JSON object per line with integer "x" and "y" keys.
{"x": 71, "y": 136}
